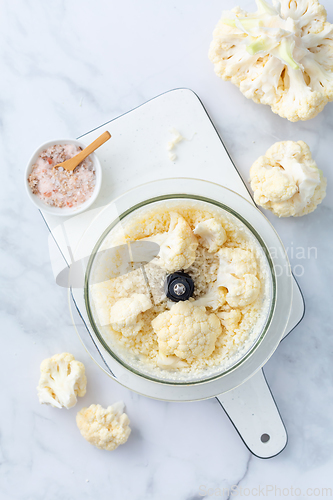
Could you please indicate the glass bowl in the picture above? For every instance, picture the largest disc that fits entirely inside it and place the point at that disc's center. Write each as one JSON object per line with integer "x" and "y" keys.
{"x": 133, "y": 373}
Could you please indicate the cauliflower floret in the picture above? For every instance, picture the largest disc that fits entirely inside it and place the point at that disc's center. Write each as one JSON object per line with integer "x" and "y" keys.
{"x": 178, "y": 250}
{"x": 124, "y": 313}
{"x": 62, "y": 380}
{"x": 241, "y": 291}
{"x": 186, "y": 331}
{"x": 236, "y": 282}
{"x": 230, "y": 319}
{"x": 281, "y": 56}
{"x": 237, "y": 261}
{"x": 212, "y": 233}
{"x": 104, "y": 428}
{"x": 287, "y": 180}
{"x": 237, "y": 274}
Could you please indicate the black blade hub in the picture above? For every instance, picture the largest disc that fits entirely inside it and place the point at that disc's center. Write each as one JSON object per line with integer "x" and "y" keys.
{"x": 178, "y": 286}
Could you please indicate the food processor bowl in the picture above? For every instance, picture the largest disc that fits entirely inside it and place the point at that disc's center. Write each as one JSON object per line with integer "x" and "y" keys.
{"x": 129, "y": 370}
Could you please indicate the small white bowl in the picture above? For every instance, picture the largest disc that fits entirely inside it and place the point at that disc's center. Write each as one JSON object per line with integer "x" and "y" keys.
{"x": 56, "y": 210}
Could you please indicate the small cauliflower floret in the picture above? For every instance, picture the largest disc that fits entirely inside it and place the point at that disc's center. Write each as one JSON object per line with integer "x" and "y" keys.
{"x": 178, "y": 250}
{"x": 186, "y": 331}
{"x": 104, "y": 428}
{"x": 62, "y": 380}
{"x": 281, "y": 56}
{"x": 212, "y": 233}
{"x": 124, "y": 313}
{"x": 237, "y": 261}
{"x": 237, "y": 274}
{"x": 230, "y": 319}
{"x": 236, "y": 282}
{"x": 214, "y": 298}
{"x": 287, "y": 181}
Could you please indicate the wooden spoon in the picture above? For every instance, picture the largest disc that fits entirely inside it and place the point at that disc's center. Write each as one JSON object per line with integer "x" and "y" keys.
{"x": 82, "y": 155}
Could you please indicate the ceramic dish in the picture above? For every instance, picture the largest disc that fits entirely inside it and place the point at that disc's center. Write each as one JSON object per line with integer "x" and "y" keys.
{"x": 65, "y": 211}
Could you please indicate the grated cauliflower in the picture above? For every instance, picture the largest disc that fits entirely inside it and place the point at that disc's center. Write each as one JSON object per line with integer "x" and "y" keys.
{"x": 105, "y": 428}
{"x": 62, "y": 379}
{"x": 281, "y": 56}
{"x": 177, "y": 137}
{"x": 178, "y": 250}
{"x": 287, "y": 181}
{"x": 212, "y": 233}
{"x": 186, "y": 331}
{"x": 124, "y": 313}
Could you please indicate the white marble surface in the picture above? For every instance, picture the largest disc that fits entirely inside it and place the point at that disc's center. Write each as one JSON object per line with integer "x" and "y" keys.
{"x": 67, "y": 67}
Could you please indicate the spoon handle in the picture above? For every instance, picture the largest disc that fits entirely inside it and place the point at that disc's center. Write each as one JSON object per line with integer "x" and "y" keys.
{"x": 77, "y": 159}
{"x": 91, "y": 148}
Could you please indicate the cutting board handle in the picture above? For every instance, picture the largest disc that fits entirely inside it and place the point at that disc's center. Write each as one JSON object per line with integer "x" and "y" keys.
{"x": 253, "y": 412}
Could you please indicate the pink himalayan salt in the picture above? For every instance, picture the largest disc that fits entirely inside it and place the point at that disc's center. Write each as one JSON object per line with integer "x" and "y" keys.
{"x": 58, "y": 187}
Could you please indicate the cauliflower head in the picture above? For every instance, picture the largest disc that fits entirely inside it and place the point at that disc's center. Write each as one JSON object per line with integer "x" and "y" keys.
{"x": 62, "y": 379}
{"x": 105, "y": 428}
{"x": 281, "y": 56}
{"x": 124, "y": 313}
{"x": 212, "y": 233}
{"x": 287, "y": 181}
{"x": 178, "y": 250}
{"x": 187, "y": 331}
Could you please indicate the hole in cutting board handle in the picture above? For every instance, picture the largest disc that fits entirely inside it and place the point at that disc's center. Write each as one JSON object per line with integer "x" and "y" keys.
{"x": 265, "y": 438}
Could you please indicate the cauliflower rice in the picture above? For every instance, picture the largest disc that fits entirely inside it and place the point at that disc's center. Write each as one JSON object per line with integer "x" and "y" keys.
{"x": 138, "y": 347}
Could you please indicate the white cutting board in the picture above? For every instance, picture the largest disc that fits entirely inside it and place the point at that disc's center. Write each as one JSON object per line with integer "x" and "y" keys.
{"x": 137, "y": 153}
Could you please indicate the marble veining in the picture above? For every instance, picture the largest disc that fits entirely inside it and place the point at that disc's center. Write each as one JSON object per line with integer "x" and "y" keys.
{"x": 66, "y": 68}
